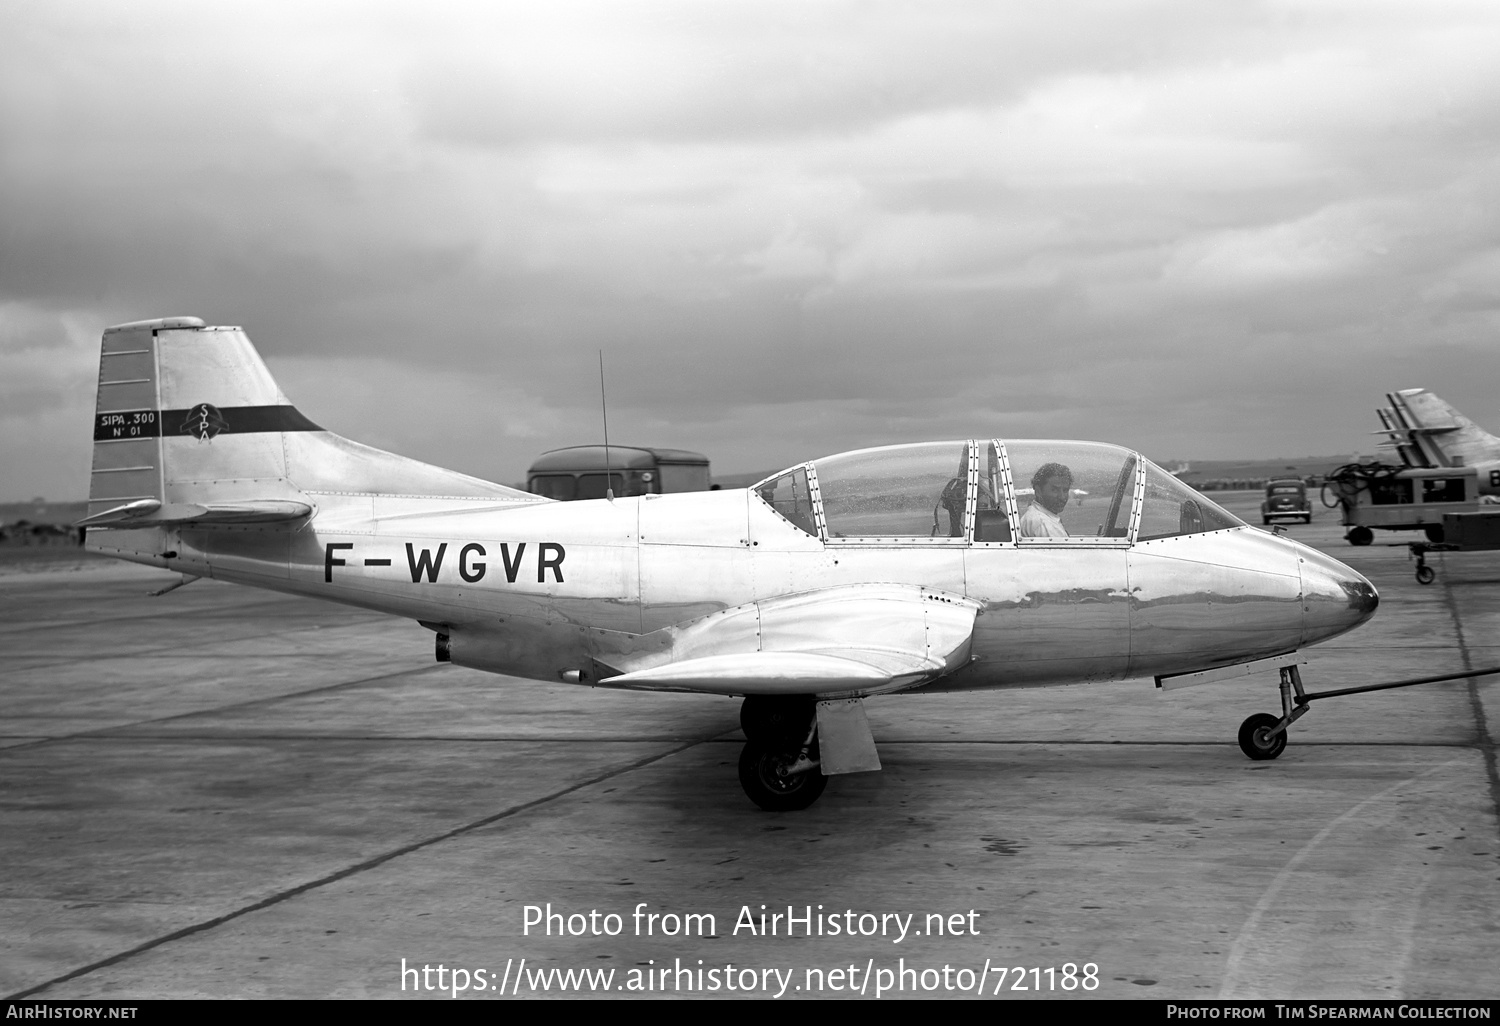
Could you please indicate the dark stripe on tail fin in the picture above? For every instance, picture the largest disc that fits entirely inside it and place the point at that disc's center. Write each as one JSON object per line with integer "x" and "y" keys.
{"x": 202, "y": 421}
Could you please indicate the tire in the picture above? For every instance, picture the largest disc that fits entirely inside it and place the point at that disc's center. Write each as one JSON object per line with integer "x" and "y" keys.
{"x": 1359, "y": 536}
{"x": 1254, "y": 741}
{"x": 1307, "y": 519}
{"x": 1426, "y": 574}
{"x": 777, "y": 720}
{"x": 1434, "y": 533}
{"x": 1265, "y": 521}
{"x": 772, "y": 792}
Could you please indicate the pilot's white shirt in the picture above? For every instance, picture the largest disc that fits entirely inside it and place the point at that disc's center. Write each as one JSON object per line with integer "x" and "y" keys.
{"x": 1040, "y": 522}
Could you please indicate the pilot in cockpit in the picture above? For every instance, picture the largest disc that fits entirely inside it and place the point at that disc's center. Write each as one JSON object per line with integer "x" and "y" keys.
{"x": 1050, "y": 487}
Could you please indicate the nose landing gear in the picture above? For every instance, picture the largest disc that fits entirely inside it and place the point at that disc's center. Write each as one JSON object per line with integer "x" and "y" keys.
{"x": 1263, "y": 736}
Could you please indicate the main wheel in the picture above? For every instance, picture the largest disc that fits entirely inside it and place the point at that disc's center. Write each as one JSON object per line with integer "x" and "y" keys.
{"x": 765, "y": 780}
{"x": 1426, "y": 574}
{"x": 1360, "y": 536}
{"x": 1434, "y": 533}
{"x": 777, "y": 720}
{"x": 1256, "y": 740}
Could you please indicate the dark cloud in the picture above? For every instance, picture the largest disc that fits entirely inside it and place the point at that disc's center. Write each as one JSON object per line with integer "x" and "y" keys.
{"x": 1208, "y": 230}
{"x": 607, "y": 72}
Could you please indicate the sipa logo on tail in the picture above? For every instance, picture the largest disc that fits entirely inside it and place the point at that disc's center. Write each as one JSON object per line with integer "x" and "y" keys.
{"x": 203, "y": 422}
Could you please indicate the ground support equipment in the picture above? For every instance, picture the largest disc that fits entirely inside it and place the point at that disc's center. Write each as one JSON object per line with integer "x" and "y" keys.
{"x": 1425, "y": 573}
{"x": 1461, "y": 532}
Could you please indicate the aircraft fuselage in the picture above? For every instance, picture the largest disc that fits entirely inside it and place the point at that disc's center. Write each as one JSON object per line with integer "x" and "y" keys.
{"x": 539, "y": 590}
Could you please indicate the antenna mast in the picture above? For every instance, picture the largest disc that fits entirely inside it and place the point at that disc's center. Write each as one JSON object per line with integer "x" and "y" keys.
{"x": 609, "y": 488}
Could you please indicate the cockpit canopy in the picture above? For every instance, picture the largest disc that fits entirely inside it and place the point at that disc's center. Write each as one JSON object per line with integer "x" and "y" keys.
{"x": 989, "y": 492}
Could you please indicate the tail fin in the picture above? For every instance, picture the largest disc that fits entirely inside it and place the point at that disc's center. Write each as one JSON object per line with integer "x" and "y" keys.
{"x": 1428, "y": 432}
{"x": 190, "y": 426}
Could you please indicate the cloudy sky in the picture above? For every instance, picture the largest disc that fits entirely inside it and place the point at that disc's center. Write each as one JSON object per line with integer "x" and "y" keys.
{"x": 1203, "y": 229}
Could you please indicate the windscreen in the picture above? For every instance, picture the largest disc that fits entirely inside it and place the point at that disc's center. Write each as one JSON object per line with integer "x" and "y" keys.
{"x": 1170, "y": 508}
{"x": 791, "y": 496}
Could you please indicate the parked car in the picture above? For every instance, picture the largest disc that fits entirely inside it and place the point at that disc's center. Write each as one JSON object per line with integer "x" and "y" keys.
{"x": 1286, "y": 499}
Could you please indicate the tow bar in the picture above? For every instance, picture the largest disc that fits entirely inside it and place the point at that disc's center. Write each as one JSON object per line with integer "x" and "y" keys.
{"x": 1263, "y": 736}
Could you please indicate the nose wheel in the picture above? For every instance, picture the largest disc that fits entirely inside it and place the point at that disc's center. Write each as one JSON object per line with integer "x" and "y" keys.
{"x": 1260, "y": 739}
{"x": 1263, "y": 736}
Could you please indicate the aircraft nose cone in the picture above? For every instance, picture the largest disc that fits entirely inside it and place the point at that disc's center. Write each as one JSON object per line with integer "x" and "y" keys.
{"x": 1335, "y": 598}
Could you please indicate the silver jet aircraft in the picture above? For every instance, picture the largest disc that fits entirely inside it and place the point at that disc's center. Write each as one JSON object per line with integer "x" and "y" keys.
{"x": 907, "y": 568}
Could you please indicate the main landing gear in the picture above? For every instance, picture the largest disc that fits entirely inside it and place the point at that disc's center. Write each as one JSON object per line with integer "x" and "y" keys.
{"x": 779, "y": 766}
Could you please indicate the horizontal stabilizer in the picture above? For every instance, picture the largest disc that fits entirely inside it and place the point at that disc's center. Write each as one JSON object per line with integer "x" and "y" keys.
{"x": 129, "y": 511}
{"x": 148, "y": 512}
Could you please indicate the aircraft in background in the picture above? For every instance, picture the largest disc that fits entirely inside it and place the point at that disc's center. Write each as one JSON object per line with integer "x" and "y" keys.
{"x": 830, "y": 582}
{"x": 1428, "y": 432}
{"x": 1448, "y": 465}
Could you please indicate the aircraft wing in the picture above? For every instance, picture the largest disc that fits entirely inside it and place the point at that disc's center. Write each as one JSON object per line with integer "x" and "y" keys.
{"x": 865, "y": 639}
{"x": 852, "y": 669}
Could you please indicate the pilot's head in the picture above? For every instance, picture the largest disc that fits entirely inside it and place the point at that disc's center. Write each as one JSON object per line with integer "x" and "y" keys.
{"x": 1050, "y": 484}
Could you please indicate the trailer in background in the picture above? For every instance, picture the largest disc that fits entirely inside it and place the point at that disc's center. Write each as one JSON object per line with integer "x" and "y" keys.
{"x": 578, "y": 472}
{"x": 1395, "y": 498}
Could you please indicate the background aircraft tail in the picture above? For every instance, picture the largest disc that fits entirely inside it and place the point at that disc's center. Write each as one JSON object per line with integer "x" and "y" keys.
{"x": 1428, "y": 432}
{"x": 191, "y": 427}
